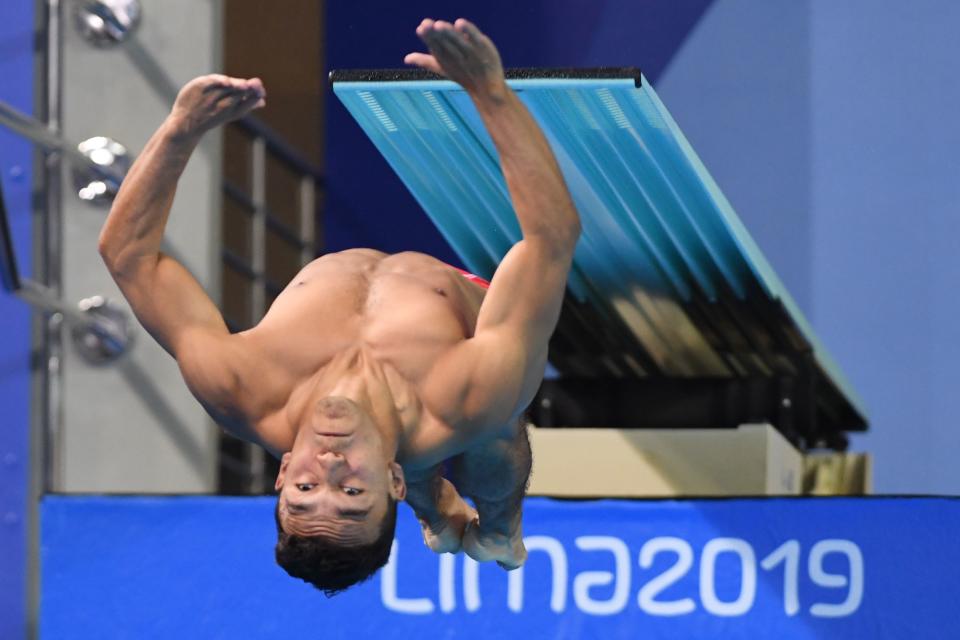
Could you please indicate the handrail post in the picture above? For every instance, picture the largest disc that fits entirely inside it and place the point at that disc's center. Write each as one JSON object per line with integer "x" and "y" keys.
{"x": 308, "y": 211}
{"x": 258, "y": 255}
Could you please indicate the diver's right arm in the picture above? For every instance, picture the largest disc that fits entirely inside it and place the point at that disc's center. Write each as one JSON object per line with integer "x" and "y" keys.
{"x": 167, "y": 300}
{"x": 165, "y": 297}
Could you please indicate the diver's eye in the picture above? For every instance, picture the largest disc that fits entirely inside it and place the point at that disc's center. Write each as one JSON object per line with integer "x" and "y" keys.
{"x": 352, "y": 491}
{"x": 304, "y": 487}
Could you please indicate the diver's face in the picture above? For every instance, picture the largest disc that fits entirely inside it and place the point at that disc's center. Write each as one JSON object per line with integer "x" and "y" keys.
{"x": 336, "y": 480}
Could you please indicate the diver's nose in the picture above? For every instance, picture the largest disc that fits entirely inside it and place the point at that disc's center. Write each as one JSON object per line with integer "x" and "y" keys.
{"x": 330, "y": 459}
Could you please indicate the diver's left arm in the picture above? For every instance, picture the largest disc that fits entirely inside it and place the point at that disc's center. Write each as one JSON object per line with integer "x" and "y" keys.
{"x": 487, "y": 381}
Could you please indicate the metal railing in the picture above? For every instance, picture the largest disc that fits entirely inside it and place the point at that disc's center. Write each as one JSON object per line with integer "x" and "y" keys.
{"x": 45, "y": 296}
{"x": 264, "y": 141}
{"x": 266, "y": 144}
{"x": 45, "y": 293}
{"x": 49, "y": 139}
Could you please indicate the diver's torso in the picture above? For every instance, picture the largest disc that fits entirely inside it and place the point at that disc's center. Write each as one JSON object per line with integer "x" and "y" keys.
{"x": 403, "y": 311}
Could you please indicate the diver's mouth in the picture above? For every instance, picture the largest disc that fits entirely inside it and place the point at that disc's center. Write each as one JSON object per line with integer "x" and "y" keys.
{"x": 332, "y": 434}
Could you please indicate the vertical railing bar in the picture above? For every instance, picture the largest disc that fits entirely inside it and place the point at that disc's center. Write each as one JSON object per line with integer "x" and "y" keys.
{"x": 53, "y": 446}
{"x": 263, "y": 143}
{"x": 307, "y": 222}
{"x": 258, "y": 254}
{"x": 46, "y": 401}
{"x": 259, "y": 228}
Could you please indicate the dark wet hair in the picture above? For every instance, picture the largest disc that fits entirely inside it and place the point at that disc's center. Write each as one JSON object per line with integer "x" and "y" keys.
{"x": 329, "y": 566}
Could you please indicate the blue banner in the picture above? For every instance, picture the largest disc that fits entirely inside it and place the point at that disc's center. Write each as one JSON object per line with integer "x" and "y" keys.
{"x": 18, "y": 356}
{"x": 792, "y": 568}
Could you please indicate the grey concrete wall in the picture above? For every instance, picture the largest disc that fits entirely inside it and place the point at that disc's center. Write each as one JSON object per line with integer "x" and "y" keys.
{"x": 133, "y": 426}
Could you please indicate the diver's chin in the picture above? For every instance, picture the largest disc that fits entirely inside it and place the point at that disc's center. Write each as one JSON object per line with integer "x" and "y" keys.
{"x": 335, "y": 408}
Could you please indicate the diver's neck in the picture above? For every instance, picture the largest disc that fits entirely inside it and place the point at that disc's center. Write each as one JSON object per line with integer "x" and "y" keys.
{"x": 358, "y": 377}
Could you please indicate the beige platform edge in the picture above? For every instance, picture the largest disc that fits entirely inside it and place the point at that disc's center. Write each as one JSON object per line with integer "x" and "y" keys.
{"x": 753, "y": 459}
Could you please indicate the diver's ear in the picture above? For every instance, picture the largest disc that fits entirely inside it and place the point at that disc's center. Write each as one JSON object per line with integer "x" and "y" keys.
{"x": 398, "y": 486}
{"x": 284, "y": 463}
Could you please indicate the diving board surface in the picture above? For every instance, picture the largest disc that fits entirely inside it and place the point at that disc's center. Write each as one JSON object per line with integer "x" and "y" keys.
{"x": 667, "y": 284}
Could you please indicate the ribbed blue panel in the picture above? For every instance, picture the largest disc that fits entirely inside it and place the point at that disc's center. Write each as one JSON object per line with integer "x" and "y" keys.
{"x": 657, "y": 229}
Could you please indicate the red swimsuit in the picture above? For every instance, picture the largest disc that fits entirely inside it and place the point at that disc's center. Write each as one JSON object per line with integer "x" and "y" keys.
{"x": 469, "y": 276}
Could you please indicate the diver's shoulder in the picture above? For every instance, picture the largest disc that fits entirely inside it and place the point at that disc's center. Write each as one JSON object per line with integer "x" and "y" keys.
{"x": 351, "y": 255}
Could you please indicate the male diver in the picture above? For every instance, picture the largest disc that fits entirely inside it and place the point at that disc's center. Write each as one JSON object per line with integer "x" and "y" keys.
{"x": 371, "y": 373}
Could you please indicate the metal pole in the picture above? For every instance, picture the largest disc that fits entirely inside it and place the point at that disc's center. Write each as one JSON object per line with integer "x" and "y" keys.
{"x": 258, "y": 238}
{"x": 42, "y": 298}
{"x": 308, "y": 210}
{"x": 258, "y": 255}
{"x": 46, "y": 409}
{"x": 47, "y": 136}
{"x": 53, "y": 251}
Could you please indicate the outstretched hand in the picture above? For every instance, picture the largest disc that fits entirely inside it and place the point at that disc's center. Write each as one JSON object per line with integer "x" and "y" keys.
{"x": 462, "y": 53}
{"x": 212, "y": 100}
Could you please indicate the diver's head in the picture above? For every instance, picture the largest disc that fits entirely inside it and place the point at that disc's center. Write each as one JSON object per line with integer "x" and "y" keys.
{"x": 338, "y": 488}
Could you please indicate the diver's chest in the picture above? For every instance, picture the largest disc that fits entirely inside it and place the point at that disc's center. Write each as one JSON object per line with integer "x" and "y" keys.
{"x": 402, "y": 312}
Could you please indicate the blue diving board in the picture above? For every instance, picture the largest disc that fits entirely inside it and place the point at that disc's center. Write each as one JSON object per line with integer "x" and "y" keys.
{"x": 667, "y": 283}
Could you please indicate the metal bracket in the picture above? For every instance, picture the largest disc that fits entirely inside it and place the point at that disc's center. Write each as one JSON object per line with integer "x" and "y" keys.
{"x": 98, "y": 181}
{"x": 102, "y": 332}
{"x": 107, "y": 23}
